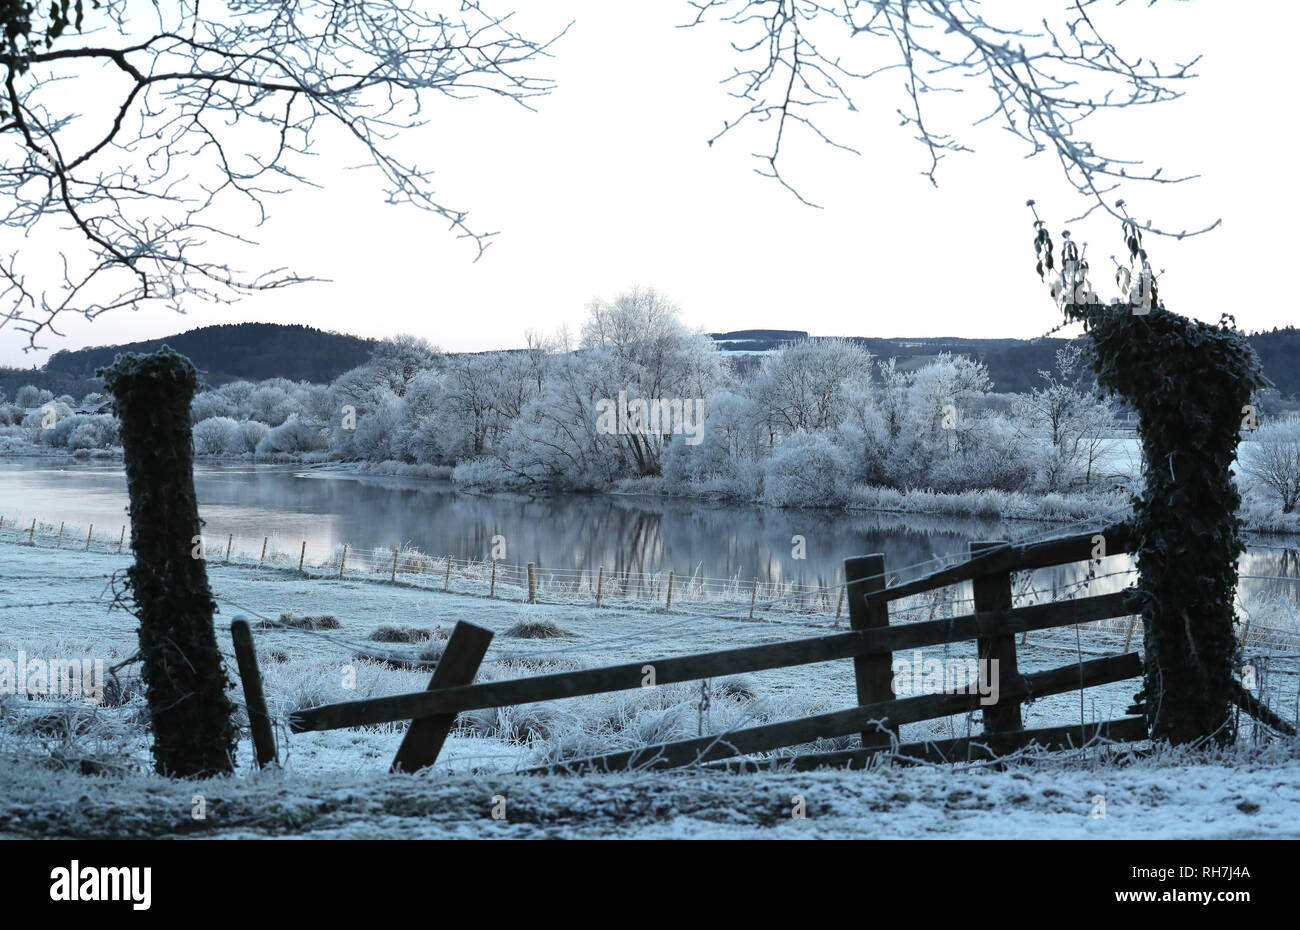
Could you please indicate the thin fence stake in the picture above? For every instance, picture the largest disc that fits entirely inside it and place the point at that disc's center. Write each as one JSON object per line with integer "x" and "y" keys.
{"x": 600, "y": 585}
{"x": 753, "y": 599}
{"x": 669, "y": 604}
{"x": 446, "y": 581}
{"x": 259, "y": 722}
{"x": 265, "y": 539}
{"x": 532, "y": 585}
{"x": 121, "y": 539}
{"x": 1131, "y": 627}
{"x": 58, "y": 544}
{"x": 343, "y": 559}
{"x": 492, "y": 591}
{"x": 302, "y": 554}
{"x": 840, "y": 606}
{"x": 396, "y": 553}
{"x": 229, "y": 543}
{"x": 88, "y": 533}
{"x": 31, "y": 535}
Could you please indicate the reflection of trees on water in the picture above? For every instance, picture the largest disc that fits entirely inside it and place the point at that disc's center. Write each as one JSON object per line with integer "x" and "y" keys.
{"x": 630, "y": 536}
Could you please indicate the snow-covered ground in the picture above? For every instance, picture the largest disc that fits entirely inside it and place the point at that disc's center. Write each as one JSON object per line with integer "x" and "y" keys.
{"x": 54, "y": 604}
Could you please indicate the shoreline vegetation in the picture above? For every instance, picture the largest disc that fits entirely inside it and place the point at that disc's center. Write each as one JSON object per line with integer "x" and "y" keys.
{"x": 638, "y": 405}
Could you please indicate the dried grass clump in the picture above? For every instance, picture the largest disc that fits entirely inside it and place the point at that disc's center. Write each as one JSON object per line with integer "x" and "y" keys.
{"x": 302, "y": 622}
{"x": 536, "y": 629}
{"x": 406, "y": 634}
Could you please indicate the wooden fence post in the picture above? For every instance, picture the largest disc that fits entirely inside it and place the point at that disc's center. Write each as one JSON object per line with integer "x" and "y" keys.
{"x": 265, "y": 539}
{"x": 230, "y": 540}
{"x": 121, "y": 539}
{"x": 669, "y": 605}
{"x": 302, "y": 554}
{"x": 446, "y": 582}
{"x": 753, "y": 599}
{"x": 31, "y": 535}
{"x": 1131, "y": 627}
{"x": 88, "y": 535}
{"x": 58, "y": 543}
{"x": 532, "y": 584}
{"x": 259, "y": 721}
{"x": 396, "y": 553}
{"x": 993, "y": 592}
{"x": 874, "y": 674}
{"x": 343, "y": 559}
{"x": 458, "y": 666}
{"x": 839, "y": 605}
{"x": 492, "y": 591}
{"x": 600, "y": 584}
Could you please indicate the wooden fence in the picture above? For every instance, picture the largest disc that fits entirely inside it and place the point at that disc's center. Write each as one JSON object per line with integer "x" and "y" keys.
{"x": 869, "y": 643}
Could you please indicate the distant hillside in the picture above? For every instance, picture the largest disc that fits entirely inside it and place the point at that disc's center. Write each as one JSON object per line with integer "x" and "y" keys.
{"x": 236, "y": 351}
{"x": 1013, "y": 364}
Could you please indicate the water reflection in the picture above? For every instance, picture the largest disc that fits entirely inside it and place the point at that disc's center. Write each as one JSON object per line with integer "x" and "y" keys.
{"x": 622, "y": 533}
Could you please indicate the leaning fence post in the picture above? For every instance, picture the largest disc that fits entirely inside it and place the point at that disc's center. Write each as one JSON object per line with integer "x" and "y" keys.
{"x": 1131, "y": 627}
{"x": 532, "y": 584}
{"x": 259, "y": 721}
{"x": 839, "y": 605}
{"x": 302, "y": 554}
{"x": 600, "y": 584}
{"x": 58, "y": 543}
{"x": 343, "y": 559}
{"x": 229, "y": 542}
{"x": 396, "y": 553}
{"x": 31, "y": 535}
{"x": 993, "y": 592}
{"x": 88, "y": 534}
{"x": 669, "y": 605}
{"x": 874, "y": 674}
{"x": 458, "y": 666}
{"x": 121, "y": 538}
{"x": 753, "y": 599}
{"x": 265, "y": 539}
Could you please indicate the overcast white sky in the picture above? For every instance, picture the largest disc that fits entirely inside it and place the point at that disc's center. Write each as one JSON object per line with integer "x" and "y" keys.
{"x": 610, "y": 184}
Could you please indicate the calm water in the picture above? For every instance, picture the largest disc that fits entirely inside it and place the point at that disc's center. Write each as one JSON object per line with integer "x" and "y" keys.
{"x": 291, "y": 504}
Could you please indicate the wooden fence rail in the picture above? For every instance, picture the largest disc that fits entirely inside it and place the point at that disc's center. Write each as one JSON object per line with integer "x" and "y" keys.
{"x": 870, "y": 643}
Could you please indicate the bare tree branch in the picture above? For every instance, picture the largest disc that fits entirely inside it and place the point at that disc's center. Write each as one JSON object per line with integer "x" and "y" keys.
{"x": 1043, "y": 79}
{"x": 215, "y": 109}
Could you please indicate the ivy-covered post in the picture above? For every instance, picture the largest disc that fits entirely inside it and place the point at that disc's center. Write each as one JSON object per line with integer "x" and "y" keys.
{"x": 185, "y": 681}
{"x": 1191, "y": 384}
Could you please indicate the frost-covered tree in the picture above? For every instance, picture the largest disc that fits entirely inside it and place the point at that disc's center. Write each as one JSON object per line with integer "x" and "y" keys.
{"x": 1272, "y": 458}
{"x": 1075, "y": 421}
{"x": 811, "y": 384}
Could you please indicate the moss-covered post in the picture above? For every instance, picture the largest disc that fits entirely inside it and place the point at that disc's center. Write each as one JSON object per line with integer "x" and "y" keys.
{"x": 185, "y": 681}
{"x": 1191, "y": 384}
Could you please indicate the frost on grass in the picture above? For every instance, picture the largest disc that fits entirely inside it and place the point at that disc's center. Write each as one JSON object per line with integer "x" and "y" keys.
{"x": 299, "y": 622}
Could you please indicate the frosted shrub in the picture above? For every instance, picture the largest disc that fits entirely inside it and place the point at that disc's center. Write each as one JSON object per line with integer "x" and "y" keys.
{"x": 293, "y": 435}
{"x": 28, "y": 396}
{"x": 93, "y": 432}
{"x": 807, "y": 470}
{"x": 252, "y": 433}
{"x": 218, "y": 436}
{"x": 210, "y": 404}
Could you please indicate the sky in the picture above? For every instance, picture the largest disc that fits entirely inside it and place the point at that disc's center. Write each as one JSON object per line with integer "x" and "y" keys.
{"x": 610, "y": 183}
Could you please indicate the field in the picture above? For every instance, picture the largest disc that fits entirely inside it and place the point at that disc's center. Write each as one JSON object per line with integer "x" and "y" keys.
{"x": 56, "y": 604}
